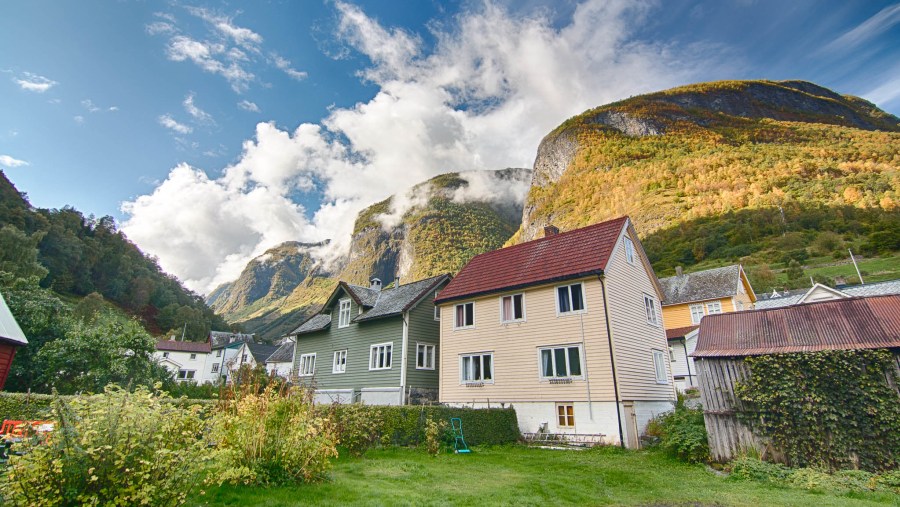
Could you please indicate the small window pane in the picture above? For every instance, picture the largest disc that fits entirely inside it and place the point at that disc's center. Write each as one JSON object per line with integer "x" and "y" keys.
{"x": 574, "y": 361}
{"x": 488, "y": 368}
{"x": 577, "y": 300}
{"x": 560, "y": 360}
{"x": 546, "y": 363}
{"x": 518, "y": 310}
{"x": 467, "y": 368}
{"x": 470, "y": 314}
{"x": 562, "y": 294}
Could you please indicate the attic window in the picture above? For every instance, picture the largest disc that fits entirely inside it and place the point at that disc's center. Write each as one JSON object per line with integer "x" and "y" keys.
{"x": 714, "y": 307}
{"x": 629, "y": 249}
{"x": 344, "y": 313}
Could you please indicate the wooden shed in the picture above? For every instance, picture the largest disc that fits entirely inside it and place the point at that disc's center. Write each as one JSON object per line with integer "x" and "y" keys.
{"x": 11, "y": 338}
{"x": 725, "y": 340}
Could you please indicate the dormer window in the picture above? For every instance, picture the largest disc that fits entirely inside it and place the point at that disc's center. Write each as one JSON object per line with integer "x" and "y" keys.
{"x": 629, "y": 249}
{"x": 344, "y": 313}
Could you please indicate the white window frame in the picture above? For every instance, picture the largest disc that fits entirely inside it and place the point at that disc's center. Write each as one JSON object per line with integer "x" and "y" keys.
{"x": 551, "y": 348}
{"x": 344, "y": 312}
{"x": 219, "y": 353}
{"x": 374, "y": 350}
{"x": 629, "y": 250}
{"x": 513, "y": 297}
{"x": 693, "y": 309}
{"x": 569, "y": 287}
{"x": 565, "y": 415}
{"x": 659, "y": 367}
{"x": 193, "y": 356}
{"x": 456, "y": 322}
{"x": 188, "y": 375}
{"x": 437, "y": 309}
{"x": 426, "y": 347}
{"x": 215, "y": 368}
{"x": 306, "y": 366}
{"x": 714, "y": 308}
{"x": 338, "y": 366}
{"x": 650, "y": 304}
{"x": 472, "y": 356}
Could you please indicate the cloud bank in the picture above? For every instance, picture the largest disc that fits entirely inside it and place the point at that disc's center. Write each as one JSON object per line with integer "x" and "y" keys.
{"x": 481, "y": 97}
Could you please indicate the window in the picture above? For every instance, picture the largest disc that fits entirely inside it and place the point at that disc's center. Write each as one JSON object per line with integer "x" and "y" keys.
{"x": 424, "y": 356}
{"x": 165, "y": 354}
{"x": 344, "y": 313}
{"x": 215, "y": 368}
{"x": 465, "y": 315}
{"x": 218, "y": 353}
{"x": 629, "y": 249}
{"x": 696, "y": 313}
{"x": 185, "y": 374}
{"x": 659, "y": 364}
{"x": 243, "y": 358}
{"x": 714, "y": 308}
{"x": 193, "y": 356}
{"x": 512, "y": 308}
{"x": 477, "y": 368}
{"x": 740, "y": 306}
{"x": 437, "y": 309}
{"x": 557, "y": 362}
{"x": 307, "y": 365}
{"x": 380, "y": 356}
{"x": 671, "y": 353}
{"x": 340, "y": 362}
{"x": 570, "y": 298}
{"x": 650, "y": 307}
{"x": 565, "y": 415}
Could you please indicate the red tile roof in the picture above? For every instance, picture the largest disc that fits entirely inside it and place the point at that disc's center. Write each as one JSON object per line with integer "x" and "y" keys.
{"x": 178, "y": 346}
{"x": 563, "y": 256}
{"x": 679, "y": 332}
{"x": 843, "y": 324}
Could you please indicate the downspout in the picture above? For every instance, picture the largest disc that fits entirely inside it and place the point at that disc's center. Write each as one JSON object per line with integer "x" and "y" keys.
{"x": 403, "y": 352}
{"x": 687, "y": 361}
{"x": 612, "y": 361}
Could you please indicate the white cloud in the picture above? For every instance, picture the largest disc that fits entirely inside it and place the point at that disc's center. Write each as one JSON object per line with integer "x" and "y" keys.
{"x": 199, "y": 115}
{"x": 89, "y": 105}
{"x": 78, "y": 119}
{"x": 113, "y": 109}
{"x": 167, "y": 121}
{"x": 285, "y": 66}
{"x": 492, "y": 86}
{"x": 158, "y": 27}
{"x": 34, "y": 83}
{"x": 246, "y": 105}
{"x": 7, "y": 161}
{"x": 883, "y": 20}
{"x": 204, "y": 55}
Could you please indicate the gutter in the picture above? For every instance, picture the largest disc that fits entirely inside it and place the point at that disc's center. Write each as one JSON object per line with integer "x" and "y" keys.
{"x": 612, "y": 361}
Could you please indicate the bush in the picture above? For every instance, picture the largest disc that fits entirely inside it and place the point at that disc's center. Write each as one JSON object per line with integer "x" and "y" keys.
{"x": 36, "y": 407}
{"x": 272, "y": 437}
{"x": 750, "y": 468}
{"x": 747, "y": 468}
{"x": 115, "y": 448}
{"x": 682, "y": 434}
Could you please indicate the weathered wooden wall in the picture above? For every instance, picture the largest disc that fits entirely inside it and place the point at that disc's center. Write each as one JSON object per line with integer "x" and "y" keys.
{"x": 728, "y": 437}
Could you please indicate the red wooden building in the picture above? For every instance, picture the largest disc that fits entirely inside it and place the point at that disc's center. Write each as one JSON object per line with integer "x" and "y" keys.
{"x": 11, "y": 338}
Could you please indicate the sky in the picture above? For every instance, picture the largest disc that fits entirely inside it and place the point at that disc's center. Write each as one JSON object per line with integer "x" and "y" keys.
{"x": 214, "y": 130}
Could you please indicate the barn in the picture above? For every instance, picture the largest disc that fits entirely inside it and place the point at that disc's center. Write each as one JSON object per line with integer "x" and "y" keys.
{"x": 725, "y": 341}
{"x": 11, "y": 338}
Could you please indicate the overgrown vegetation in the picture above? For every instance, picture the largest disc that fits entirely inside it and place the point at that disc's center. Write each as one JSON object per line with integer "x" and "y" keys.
{"x": 830, "y": 410}
{"x": 681, "y": 433}
{"x": 842, "y": 481}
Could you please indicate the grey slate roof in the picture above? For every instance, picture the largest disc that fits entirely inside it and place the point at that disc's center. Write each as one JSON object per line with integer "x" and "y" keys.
{"x": 396, "y": 300}
{"x": 870, "y": 289}
{"x": 317, "y": 322}
{"x": 261, "y": 351}
{"x": 366, "y": 296}
{"x": 702, "y": 285}
{"x": 219, "y": 339}
{"x": 9, "y": 328}
{"x": 284, "y": 353}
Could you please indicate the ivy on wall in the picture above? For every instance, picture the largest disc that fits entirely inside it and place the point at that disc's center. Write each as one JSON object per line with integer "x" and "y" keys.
{"x": 832, "y": 409}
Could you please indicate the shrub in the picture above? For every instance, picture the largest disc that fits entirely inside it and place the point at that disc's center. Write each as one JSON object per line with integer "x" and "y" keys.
{"x": 682, "y": 434}
{"x": 357, "y": 426}
{"x": 435, "y": 435}
{"x": 751, "y": 468}
{"x": 271, "y": 437}
{"x": 115, "y": 448}
{"x": 34, "y": 407}
{"x": 748, "y": 468}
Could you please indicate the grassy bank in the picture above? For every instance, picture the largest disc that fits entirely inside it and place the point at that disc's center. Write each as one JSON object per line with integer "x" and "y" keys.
{"x": 517, "y": 475}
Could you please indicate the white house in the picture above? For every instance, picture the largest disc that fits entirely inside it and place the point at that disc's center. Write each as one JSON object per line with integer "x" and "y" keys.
{"x": 282, "y": 360}
{"x": 187, "y": 361}
{"x": 238, "y": 354}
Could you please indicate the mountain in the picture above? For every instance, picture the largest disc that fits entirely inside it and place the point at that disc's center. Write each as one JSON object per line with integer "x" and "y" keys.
{"x": 724, "y": 171}
{"x": 435, "y": 227}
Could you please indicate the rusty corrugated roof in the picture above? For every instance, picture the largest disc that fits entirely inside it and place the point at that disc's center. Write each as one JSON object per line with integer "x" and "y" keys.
{"x": 679, "y": 332}
{"x": 843, "y": 324}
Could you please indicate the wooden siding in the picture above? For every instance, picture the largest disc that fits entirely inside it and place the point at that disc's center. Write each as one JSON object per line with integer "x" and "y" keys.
{"x": 7, "y": 353}
{"x": 675, "y": 316}
{"x": 423, "y": 329}
{"x": 728, "y": 436}
{"x": 357, "y": 340}
{"x": 634, "y": 338}
{"x": 515, "y": 348}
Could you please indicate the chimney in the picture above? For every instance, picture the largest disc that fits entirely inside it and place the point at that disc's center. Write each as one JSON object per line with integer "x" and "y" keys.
{"x": 396, "y": 282}
{"x": 375, "y": 283}
{"x": 678, "y": 271}
{"x": 550, "y": 230}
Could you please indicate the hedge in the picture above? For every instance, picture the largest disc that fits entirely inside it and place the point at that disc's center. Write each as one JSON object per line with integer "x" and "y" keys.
{"x": 405, "y": 425}
{"x": 36, "y": 407}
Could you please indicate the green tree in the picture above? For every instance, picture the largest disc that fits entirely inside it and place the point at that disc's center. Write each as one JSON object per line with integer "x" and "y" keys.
{"x": 795, "y": 273}
{"x": 19, "y": 253}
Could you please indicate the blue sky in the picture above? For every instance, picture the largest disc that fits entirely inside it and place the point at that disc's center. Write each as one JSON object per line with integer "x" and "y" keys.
{"x": 215, "y": 130}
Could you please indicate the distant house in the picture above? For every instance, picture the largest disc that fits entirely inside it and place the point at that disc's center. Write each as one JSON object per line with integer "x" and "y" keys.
{"x": 821, "y": 292}
{"x": 726, "y": 340}
{"x": 250, "y": 354}
{"x": 566, "y": 328}
{"x": 224, "y": 346}
{"x": 281, "y": 362}
{"x": 372, "y": 345}
{"x": 185, "y": 360}
{"x": 11, "y": 338}
{"x": 688, "y": 298}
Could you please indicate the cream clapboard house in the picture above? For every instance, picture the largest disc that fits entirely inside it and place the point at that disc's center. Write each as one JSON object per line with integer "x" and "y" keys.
{"x": 567, "y": 329}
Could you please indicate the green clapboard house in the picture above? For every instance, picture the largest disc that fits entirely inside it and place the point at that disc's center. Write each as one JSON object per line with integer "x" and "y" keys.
{"x": 372, "y": 345}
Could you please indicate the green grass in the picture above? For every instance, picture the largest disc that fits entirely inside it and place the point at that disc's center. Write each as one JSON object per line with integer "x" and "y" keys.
{"x": 518, "y": 475}
{"x": 878, "y": 269}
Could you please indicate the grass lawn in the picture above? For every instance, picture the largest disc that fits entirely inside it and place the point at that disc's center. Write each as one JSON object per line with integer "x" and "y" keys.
{"x": 517, "y": 475}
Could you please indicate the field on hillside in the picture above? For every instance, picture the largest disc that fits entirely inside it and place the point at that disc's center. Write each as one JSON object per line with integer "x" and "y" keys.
{"x": 517, "y": 475}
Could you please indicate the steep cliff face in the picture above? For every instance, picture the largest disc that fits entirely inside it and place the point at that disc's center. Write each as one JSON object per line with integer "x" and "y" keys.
{"x": 710, "y": 148}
